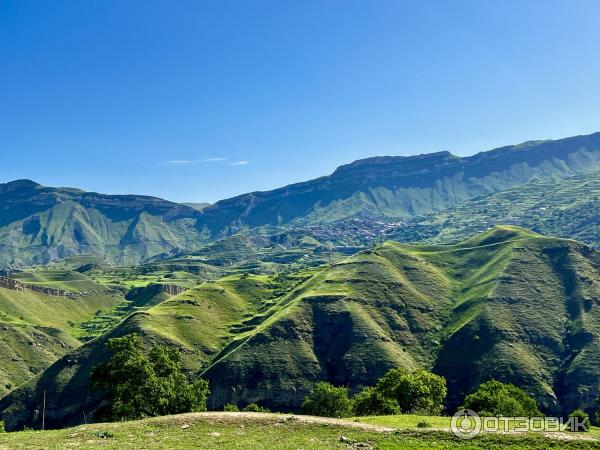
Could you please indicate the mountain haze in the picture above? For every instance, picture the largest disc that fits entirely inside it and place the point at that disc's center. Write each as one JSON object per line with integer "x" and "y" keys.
{"x": 402, "y": 187}
{"x": 41, "y": 224}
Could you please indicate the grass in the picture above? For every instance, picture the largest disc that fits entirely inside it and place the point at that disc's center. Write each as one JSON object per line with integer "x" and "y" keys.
{"x": 470, "y": 312}
{"x": 259, "y": 431}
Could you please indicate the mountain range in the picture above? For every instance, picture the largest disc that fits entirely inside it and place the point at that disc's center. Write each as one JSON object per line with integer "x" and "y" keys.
{"x": 414, "y": 262}
{"x": 42, "y": 224}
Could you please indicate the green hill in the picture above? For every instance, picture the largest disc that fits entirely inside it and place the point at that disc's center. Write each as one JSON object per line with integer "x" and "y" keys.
{"x": 508, "y": 303}
{"x": 284, "y": 431}
{"x": 41, "y": 224}
{"x": 38, "y": 327}
{"x": 568, "y": 207}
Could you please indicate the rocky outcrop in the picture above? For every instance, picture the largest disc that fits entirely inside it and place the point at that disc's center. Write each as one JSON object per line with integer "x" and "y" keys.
{"x": 11, "y": 283}
{"x": 16, "y": 285}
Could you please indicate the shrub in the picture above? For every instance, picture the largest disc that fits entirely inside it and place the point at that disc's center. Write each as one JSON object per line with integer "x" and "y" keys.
{"x": 231, "y": 408}
{"x": 419, "y": 391}
{"x": 2, "y": 429}
{"x": 253, "y": 407}
{"x": 136, "y": 385}
{"x": 497, "y": 399}
{"x": 371, "y": 402}
{"x": 423, "y": 424}
{"x": 328, "y": 401}
{"x": 582, "y": 418}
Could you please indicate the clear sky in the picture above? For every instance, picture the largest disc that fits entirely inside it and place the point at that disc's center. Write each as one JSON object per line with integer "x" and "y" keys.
{"x": 202, "y": 100}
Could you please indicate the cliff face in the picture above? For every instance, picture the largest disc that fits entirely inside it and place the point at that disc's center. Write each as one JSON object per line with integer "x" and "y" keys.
{"x": 41, "y": 224}
{"x": 401, "y": 187}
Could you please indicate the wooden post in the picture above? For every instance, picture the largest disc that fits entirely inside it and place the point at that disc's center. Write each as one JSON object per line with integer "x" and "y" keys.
{"x": 44, "y": 412}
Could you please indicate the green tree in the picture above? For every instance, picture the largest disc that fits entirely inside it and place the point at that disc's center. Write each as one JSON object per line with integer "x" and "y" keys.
{"x": 583, "y": 419}
{"x": 253, "y": 407}
{"x": 231, "y": 408}
{"x": 328, "y": 401}
{"x": 418, "y": 391}
{"x": 497, "y": 399}
{"x": 137, "y": 385}
{"x": 371, "y": 402}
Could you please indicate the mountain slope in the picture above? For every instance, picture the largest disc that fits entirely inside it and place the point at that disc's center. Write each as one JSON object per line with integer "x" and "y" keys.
{"x": 568, "y": 208}
{"x": 41, "y": 224}
{"x": 509, "y": 304}
{"x": 402, "y": 187}
{"x": 39, "y": 326}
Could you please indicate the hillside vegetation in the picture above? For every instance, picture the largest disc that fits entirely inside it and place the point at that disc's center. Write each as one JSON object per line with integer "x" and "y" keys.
{"x": 568, "y": 208}
{"x": 508, "y": 304}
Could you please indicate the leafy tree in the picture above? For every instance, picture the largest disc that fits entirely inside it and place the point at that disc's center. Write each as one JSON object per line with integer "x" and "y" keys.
{"x": 418, "y": 391}
{"x": 328, "y": 401}
{"x": 497, "y": 399}
{"x": 584, "y": 419}
{"x": 2, "y": 429}
{"x": 371, "y": 402}
{"x": 231, "y": 408}
{"x": 137, "y": 385}
{"x": 253, "y": 407}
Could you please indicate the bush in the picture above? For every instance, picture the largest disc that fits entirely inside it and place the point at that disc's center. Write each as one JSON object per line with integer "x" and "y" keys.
{"x": 371, "y": 402}
{"x": 231, "y": 408}
{"x": 2, "y": 429}
{"x": 136, "y": 385}
{"x": 253, "y": 407}
{"x": 328, "y": 401}
{"x": 582, "y": 418}
{"x": 423, "y": 424}
{"x": 496, "y": 399}
{"x": 419, "y": 391}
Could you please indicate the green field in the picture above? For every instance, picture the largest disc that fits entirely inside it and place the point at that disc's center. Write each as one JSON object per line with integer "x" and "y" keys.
{"x": 277, "y": 431}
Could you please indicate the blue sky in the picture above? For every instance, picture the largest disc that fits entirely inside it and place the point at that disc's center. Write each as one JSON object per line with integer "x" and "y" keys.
{"x": 203, "y": 100}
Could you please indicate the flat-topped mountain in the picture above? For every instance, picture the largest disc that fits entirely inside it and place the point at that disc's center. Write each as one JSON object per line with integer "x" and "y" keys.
{"x": 401, "y": 187}
{"x": 40, "y": 224}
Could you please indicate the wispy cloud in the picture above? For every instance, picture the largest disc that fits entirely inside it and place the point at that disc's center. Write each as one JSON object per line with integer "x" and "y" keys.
{"x": 215, "y": 159}
{"x": 239, "y": 163}
{"x": 180, "y": 162}
{"x": 187, "y": 162}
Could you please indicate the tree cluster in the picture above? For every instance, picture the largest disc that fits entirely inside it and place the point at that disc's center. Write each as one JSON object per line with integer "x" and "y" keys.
{"x": 137, "y": 384}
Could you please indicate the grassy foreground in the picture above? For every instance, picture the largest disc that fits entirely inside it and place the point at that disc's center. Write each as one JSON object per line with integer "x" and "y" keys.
{"x": 278, "y": 431}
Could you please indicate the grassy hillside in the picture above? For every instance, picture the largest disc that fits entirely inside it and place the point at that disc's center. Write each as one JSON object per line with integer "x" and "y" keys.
{"x": 568, "y": 208}
{"x": 41, "y": 224}
{"x": 509, "y": 304}
{"x": 38, "y": 328}
{"x": 254, "y": 430}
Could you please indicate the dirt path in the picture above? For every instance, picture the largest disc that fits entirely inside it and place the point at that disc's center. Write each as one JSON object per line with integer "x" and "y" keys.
{"x": 278, "y": 419}
{"x": 268, "y": 419}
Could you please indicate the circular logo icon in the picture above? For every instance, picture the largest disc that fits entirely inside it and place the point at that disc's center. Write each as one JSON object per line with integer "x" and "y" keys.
{"x": 466, "y": 424}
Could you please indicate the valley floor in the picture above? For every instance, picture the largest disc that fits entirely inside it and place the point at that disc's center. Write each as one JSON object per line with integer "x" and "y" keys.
{"x": 278, "y": 431}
